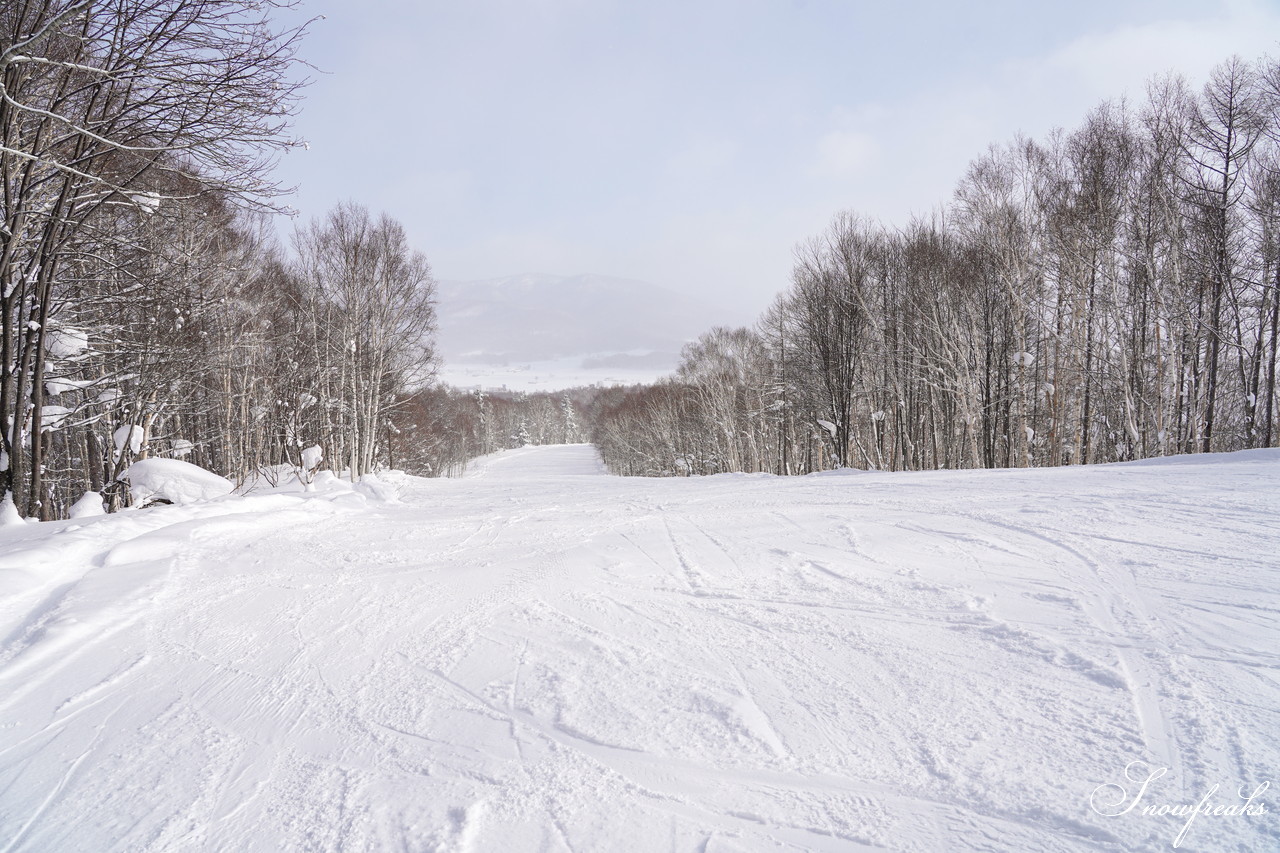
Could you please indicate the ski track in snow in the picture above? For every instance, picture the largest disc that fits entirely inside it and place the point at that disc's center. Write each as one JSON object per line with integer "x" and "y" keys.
{"x": 537, "y": 657}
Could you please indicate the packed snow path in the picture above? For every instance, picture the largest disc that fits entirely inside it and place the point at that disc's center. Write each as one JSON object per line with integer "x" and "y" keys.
{"x": 535, "y": 657}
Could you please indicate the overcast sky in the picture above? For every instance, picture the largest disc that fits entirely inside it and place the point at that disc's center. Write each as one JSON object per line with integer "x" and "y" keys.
{"x": 692, "y": 144}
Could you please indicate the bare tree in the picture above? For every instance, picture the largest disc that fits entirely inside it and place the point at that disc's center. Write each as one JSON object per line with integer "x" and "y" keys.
{"x": 1224, "y": 130}
{"x": 102, "y": 106}
{"x": 369, "y": 315}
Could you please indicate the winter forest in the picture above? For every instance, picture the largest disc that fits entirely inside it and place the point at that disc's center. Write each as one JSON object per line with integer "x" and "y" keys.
{"x": 1107, "y": 293}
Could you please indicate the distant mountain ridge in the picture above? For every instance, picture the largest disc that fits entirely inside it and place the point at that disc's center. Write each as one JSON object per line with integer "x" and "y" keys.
{"x": 603, "y": 319}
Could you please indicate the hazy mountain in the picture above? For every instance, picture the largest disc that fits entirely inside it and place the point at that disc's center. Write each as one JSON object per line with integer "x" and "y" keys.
{"x": 608, "y": 322}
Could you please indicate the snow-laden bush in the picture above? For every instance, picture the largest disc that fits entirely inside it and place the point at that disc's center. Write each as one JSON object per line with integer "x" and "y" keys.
{"x": 174, "y": 481}
{"x": 311, "y": 458}
{"x": 129, "y": 435}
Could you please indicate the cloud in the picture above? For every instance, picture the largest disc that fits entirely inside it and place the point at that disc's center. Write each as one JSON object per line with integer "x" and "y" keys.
{"x": 1121, "y": 60}
{"x": 569, "y": 136}
{"x": 845, "y": 154}
{"x": 702, "y": 156}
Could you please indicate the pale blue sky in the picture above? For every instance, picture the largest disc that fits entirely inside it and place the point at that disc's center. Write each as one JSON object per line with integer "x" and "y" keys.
{"x": 693, "y": 144}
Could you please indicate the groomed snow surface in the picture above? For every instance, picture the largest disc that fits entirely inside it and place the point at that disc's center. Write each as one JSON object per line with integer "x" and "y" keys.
{"x": 538, "y": 657}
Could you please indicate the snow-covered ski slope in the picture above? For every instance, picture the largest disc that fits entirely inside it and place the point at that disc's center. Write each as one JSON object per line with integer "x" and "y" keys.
{"x": 537, "y": 657}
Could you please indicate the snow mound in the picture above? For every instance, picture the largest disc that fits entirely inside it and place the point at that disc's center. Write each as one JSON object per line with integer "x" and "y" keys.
{"x": 9, "y": 515}
{"x": 88, "y": 506}
{"x": 175, "y": 481}
{"x": 371, "y": 486}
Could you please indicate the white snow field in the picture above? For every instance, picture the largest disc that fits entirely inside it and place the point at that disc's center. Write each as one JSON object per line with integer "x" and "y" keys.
{"x": 538, "y": 657}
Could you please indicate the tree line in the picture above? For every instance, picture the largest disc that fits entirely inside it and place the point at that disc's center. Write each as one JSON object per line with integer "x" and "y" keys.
{"x": 1103, "y": 294}
{"x": 146, "y": 306}
{"x": 438, "y": 429}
